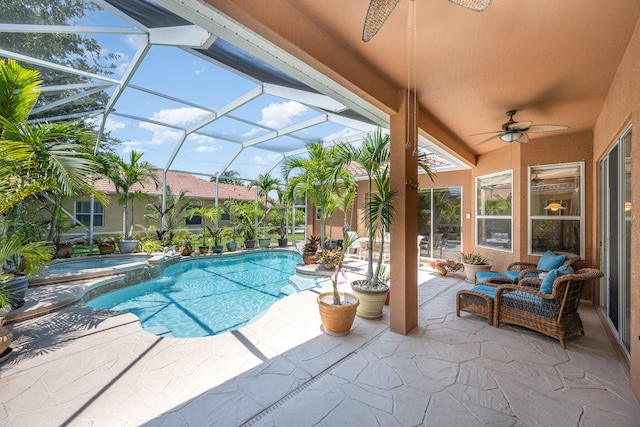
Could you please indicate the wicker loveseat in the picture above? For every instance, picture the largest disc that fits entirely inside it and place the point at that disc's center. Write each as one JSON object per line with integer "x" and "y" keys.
{"x": 554, "y": 314}
{"x": 517, "y": 270}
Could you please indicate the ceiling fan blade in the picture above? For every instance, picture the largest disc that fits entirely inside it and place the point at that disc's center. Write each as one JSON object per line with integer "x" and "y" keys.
{"x": 547, "y": 128}
{"x": 486, "y": 133}
{"x": 518, "y": 125}
{"x": 477, "y": 5}
{"x": 489, "y": 139}
{"x": 377, "y": 14}
{"x": 524, "y": 139}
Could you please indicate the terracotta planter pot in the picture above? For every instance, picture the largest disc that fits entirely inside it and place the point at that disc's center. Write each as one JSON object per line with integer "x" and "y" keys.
{"x": 64, "y": 250}
{"x": 6, "y": 337}
{"x": 106, "y": 249}
{"x": 337, "y": 319}
{"x": 203, "y": 249}
{"x": 371, "y": 301}
{"x": 470, "y": 270}
{"x": 309, "y": 258}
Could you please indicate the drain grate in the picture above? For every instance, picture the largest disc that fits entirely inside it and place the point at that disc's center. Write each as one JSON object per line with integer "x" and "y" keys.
{"x": 257, "y": 417}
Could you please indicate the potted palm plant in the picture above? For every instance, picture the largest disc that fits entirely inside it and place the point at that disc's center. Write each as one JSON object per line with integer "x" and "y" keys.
{"x": 124, "y": 176}
{"x": 231, "y": 244}
{"x": 216, "y": 235}
{"x": 338, "y": 309}
{"x": 106, "y": 244}
{"x": 310, "y": 250}
{"x": 211, "y": 213}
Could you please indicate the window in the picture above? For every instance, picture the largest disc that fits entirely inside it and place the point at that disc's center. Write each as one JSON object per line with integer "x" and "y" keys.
{"x": 556, "y": 219}
{"x": 494, "y": 213}
{"x": 83, "y": 213}
{"x": 196, "y": 219}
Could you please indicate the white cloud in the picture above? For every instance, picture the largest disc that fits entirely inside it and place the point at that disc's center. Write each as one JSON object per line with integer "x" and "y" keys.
{"x": 252, "y": 132}
{"x": 112, "y": 125}
{"x": 279, "y": 115}
{"x": 341, "y": 135}
{"x": 265, "y": 161}
{"x": 259, "y": 160}
{"x": 128, "y": 146}
{"x": 206, "y": 149}
{"x": 134, "y": 41}
{"x": 176, "y": 117}
{"x": 179, "y": 116}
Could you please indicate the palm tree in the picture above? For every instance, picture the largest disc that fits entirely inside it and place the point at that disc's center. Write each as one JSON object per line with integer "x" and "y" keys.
{"x": 265, "y": 184}
{"x": 168, "y": 218}
{"x": 124, "y": 175}
{"x": 319, "y": 175}
{"x": 228, "y": 177}
{"x": 46, "y": 157}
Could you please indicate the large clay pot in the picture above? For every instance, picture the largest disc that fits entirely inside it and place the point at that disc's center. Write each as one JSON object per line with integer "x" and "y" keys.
{"x": 309, "y": 257}
{"x": 249, "y": 244}
{"x": 127, "y": 246}
{"x": 371, "y": 300}
{"x": 216, "y": 249}
{"x": 203, "y": 250}
{"x": 282, "y": 243}
{"x": 231, "y": 246}
{"x": 63, "y": 250}
{"x": 337, "y": 319}
{"x": 106, "y": 249}
{"x": 470, "y": 270}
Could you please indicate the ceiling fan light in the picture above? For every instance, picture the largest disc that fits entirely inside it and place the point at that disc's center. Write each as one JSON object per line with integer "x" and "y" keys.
{"x": 511, "y": 136}
{"x": 477, "y": 5}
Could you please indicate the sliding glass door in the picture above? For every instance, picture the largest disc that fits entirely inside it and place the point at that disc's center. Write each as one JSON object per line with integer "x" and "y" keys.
{"x": 615, "y": 184}
{"x": 439, "y": 222}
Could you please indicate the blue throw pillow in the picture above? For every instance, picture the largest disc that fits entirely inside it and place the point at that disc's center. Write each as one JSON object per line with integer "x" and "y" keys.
{"x": 565, "y": 269}
{"x": 547, "y": 282}
{"x": 550, "y": 261}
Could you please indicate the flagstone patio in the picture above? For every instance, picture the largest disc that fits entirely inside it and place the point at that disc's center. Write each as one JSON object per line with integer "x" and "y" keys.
{"x": 86, "y": 367}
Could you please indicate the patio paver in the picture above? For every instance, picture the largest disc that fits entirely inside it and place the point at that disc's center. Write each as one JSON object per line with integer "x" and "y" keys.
{"x": 82, "y": 366}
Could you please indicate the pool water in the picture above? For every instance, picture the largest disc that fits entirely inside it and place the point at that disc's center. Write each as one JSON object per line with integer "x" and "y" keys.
{"x": 205, "y": 297}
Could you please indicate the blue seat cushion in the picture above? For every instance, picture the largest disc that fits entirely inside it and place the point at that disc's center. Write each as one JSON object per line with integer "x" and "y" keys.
{"x": 512, "y": 275}
{"x": 482, "y": 276}
{"x": 487, "y": 290}
{"x": 530, "y": 303}
{"x": 550, "y": 261}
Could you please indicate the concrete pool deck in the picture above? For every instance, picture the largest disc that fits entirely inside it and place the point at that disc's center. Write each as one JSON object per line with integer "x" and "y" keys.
{"x": 85, "y": 367}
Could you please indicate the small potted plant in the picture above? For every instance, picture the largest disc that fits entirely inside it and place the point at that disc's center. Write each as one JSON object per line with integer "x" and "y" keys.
{"x": 106, "y": 244}
{"x": 443, "y": 266}
{"x": 186, "y": 249}
{"x": 310, "y": 250}
{"x": 474, "y": 262}
{"x": 231, "y": 244}
{"x": 216, "y": 235}
{"x": 330, "y": 258}
{"x": 206, "y": 212}
{"x": 264, "y": 240}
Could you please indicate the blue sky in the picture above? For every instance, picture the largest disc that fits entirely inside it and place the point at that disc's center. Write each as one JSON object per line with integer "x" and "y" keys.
{"x": 176, "y": 73}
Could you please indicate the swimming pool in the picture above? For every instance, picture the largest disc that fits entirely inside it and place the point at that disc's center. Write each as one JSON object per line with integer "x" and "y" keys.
{"x": 203, "y": 297}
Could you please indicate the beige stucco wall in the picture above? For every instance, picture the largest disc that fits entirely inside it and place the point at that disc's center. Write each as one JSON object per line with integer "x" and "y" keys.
{"x": 621, "y": 109}
{"x": 113, "y": 217}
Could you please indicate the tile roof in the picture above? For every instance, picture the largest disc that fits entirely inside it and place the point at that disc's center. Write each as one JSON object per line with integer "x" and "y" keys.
{"x": 178, "y": 181}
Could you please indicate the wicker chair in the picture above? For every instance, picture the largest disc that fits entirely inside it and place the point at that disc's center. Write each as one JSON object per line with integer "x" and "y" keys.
{"x": 555, "y": 314}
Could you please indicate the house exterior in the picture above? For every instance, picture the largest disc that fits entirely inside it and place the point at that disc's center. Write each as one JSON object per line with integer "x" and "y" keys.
{"x": 108, "y": 218}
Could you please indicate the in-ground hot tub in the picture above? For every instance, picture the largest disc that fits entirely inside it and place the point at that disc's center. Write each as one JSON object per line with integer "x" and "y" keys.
{"x": 88, "y": 267}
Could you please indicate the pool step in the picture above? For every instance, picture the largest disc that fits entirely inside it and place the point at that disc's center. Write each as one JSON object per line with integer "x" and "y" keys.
{"x": 298, "y": 284}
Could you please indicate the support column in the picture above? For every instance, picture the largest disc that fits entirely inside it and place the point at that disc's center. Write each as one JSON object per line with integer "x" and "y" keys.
{"x": 404, "y": 229}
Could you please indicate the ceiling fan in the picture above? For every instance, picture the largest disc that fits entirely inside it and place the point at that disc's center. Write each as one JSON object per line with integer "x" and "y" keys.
{"x": 513, "y": 131}
{"x": 380, "y": 10}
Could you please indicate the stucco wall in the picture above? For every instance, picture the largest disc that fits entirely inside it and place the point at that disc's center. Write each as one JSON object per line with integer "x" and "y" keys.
{"x": 621, "y": 109}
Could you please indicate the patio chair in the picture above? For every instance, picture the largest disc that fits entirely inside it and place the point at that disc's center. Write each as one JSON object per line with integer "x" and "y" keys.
{"x": 518, "y": 270}
{"x": 548, "y": 306}
{"x": 354, "y": 248}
